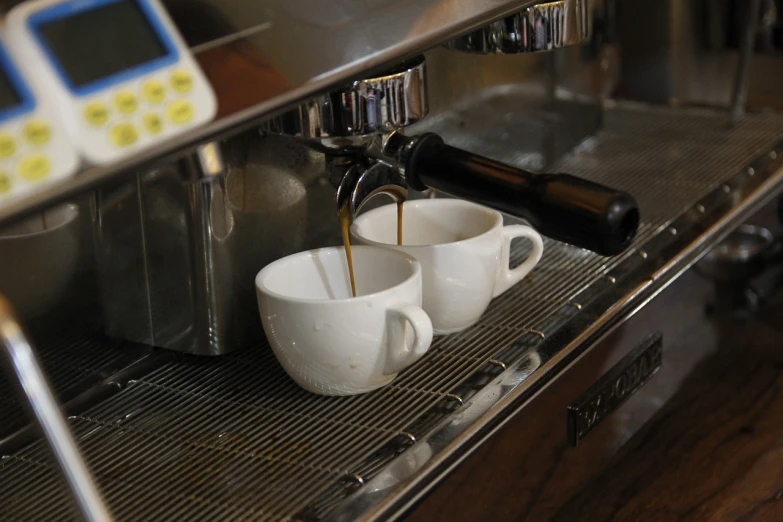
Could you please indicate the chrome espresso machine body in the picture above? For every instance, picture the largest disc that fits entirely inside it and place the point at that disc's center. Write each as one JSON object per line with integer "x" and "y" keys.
{"x": 145, "y": 341}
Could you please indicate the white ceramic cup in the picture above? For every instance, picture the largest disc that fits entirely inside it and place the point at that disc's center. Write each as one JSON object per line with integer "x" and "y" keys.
{"x": 334, "y": 344}
{"x": 463, "y": 249}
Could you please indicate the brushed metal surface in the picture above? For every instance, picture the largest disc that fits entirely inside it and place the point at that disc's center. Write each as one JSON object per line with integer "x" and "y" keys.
{"x": 231, "y": 437}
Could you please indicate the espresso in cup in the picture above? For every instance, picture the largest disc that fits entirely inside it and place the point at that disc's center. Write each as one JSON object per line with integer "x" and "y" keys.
{"x": 332, "y": 343}
{"x": 463, "y": 249}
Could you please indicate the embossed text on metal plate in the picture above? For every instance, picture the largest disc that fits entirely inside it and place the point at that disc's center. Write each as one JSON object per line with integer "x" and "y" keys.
{"x": 614, "y": 387}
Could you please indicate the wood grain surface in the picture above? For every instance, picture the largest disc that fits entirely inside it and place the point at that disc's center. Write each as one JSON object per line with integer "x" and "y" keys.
{"x": 702, "y": 440}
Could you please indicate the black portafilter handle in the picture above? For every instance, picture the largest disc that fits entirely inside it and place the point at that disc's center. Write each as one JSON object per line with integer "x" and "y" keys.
{"x": 560, "y": 206}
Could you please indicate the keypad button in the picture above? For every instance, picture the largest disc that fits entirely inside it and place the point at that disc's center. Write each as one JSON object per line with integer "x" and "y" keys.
{"x": 181, "y": 81}
{"x": 37, "y": 132}
{"x": 153, "y": 91}
{"x": 5, "y": 183}
{"x": 152, "y": 123}
{"x": 7, "y": 145}
{"x": 34, "y": 167}
{"x": 125, "y": 102}
{"x": 123, "y": 134}
{"x": 96, "y": 113}
{"x": 179, "y": 112}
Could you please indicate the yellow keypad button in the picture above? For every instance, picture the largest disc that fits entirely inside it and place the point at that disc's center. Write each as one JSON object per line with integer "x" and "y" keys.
{"x": 123, "y": 134}
{"x": 96, "y": 113}
{"x": 181, "y": 81}
{"x": 152, "y": 123}
{"x": 153, "y": 91}
{"x": 125, "y": 102}
{"x": 7, "y": 146}
{"x": 37, "y": 132}
{"x": 33, "y": 168}
{"x": 5, "y": 183}
{"x": 179, "y": 112}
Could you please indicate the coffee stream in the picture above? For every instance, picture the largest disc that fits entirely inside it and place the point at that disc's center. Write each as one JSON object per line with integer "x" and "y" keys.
{"x": 345, "y": 226}
{"x": 399, "y": 222}
{"x": 345, "y": 230}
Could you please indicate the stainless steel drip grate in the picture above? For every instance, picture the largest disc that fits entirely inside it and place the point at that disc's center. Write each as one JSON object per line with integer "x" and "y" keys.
{"x": 233, "y": 438}
{"x": 74, "y": 363}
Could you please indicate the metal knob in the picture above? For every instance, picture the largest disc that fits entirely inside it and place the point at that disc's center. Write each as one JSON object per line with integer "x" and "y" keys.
{"x": 541, "y": 27}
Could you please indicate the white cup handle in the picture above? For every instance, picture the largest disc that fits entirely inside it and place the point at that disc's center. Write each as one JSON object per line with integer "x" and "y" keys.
{"x": 400, "y": 357}
{"x": 508, "y": 277}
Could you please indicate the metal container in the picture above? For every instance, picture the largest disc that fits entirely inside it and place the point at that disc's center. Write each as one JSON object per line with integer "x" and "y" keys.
{"x": 176, "y": 258}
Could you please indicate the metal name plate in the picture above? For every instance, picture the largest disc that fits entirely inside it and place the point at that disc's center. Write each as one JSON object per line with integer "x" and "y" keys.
{"x": 614, "y": 387}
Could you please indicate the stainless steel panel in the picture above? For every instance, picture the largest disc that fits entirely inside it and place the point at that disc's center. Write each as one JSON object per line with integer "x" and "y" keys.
{"x": 177, "y": 260}
{"x": 232, "y": 437}
{"x": 22, "y": 364}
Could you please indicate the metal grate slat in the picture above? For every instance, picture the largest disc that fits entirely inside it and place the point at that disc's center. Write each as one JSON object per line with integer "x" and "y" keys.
{"x": 73, "y": 364}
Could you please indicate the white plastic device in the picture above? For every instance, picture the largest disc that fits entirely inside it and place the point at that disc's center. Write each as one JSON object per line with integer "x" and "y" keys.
{"x": 34, "y": 145}
{"x": 123, "y": 76}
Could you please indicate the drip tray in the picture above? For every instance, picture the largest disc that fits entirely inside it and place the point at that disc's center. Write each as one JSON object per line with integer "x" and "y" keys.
{"x": 79, "y": 366}
{"x": 233, "y": 438}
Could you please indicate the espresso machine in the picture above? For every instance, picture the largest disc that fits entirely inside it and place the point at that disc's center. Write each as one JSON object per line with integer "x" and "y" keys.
{"x": 140, "y": 385}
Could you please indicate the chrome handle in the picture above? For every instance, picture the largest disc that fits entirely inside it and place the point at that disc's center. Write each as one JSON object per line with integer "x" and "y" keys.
{"x": 541, "y": 27}
{"x": 23, "y": 367}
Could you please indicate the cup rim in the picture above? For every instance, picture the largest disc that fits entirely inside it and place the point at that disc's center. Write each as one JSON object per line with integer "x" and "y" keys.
{"x": 72, "y": 211}
{"x": 260, "y": 286}
{"x": 423, "y": 203}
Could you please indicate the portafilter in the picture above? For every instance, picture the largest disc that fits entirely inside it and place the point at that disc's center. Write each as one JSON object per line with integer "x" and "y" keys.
{"x": 359, "y": 127}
